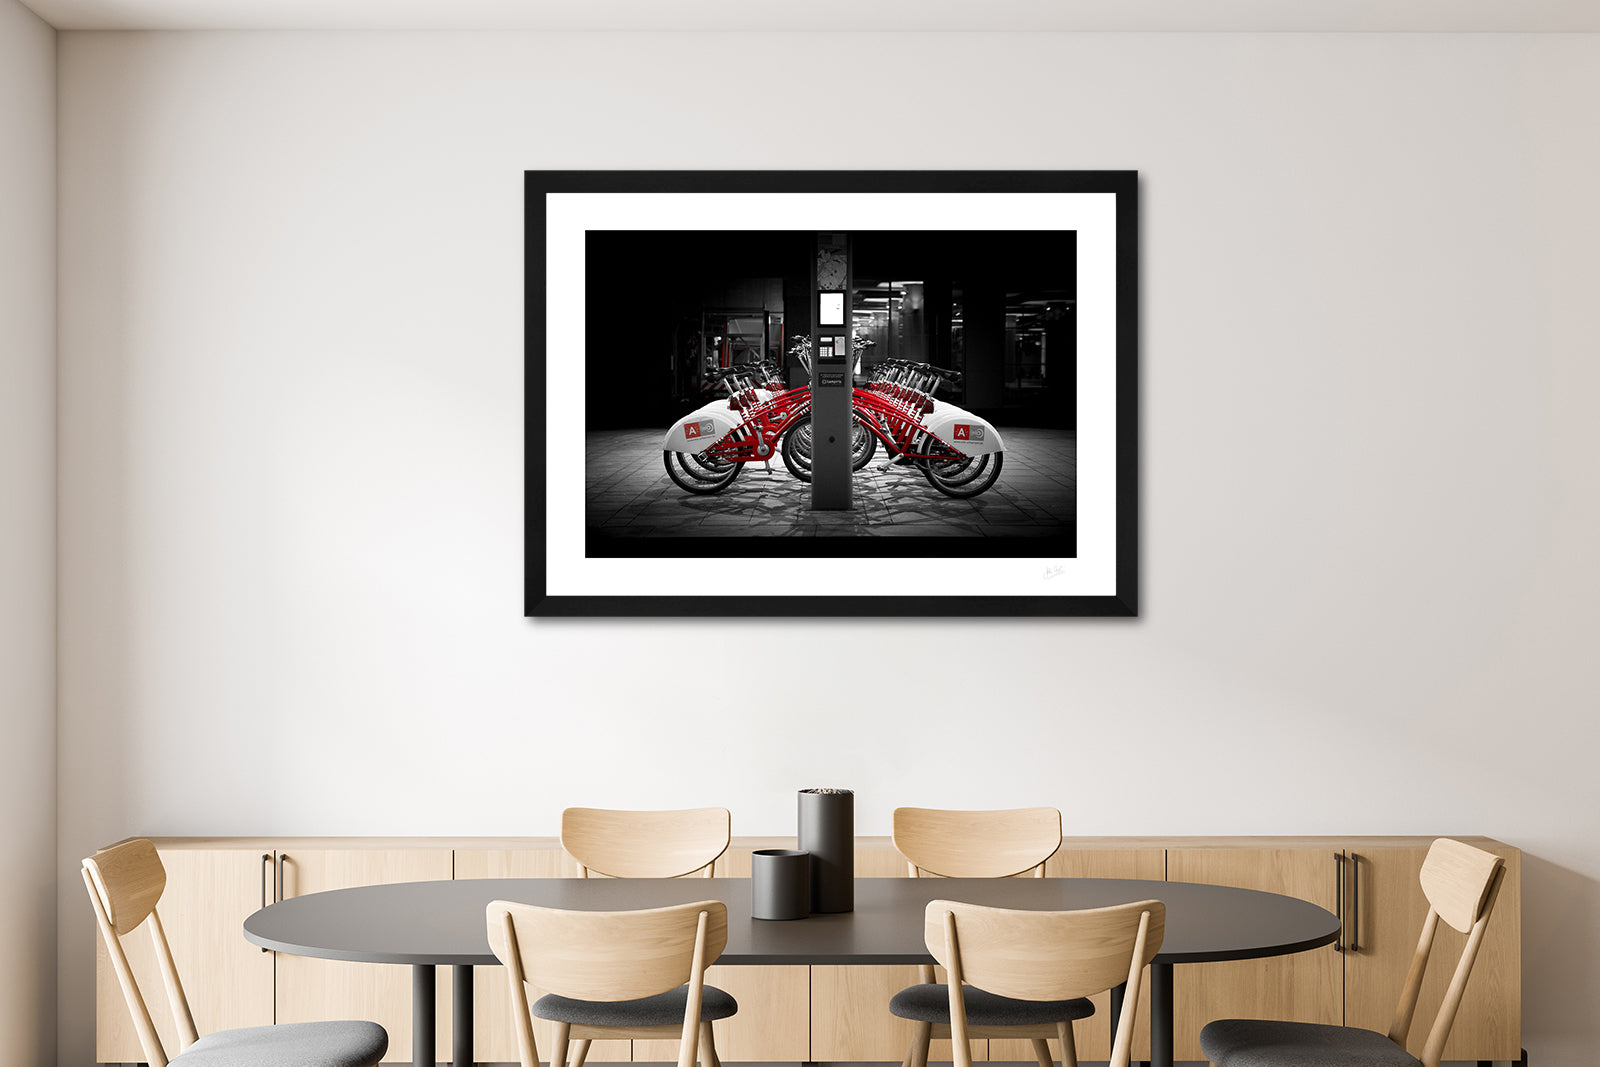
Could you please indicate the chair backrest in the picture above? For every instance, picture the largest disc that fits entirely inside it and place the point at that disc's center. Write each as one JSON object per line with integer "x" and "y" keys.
{"x": 977, "y": 844}
{"x": 125, "y": 881}
{"x": 645, "y": 844}
{"x": 606, "y": 956}
{"x": 1044, "y": 955}
{"x": 1461, "y": 884}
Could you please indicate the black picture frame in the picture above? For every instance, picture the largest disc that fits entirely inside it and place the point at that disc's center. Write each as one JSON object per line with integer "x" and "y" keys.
{"x": 1116, "y": 595}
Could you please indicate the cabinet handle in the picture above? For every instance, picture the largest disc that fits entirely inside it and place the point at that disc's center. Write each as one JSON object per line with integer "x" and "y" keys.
{"x": 266, "y": 878}
{"x": 1338, "y": 898}
{"x": 1355, "y": 902}
{"x": 282, "y": 859}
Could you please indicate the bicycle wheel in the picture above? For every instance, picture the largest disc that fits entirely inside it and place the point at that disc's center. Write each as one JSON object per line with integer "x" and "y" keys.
{"x": 797, "y": 447}
{"x": 984, "y": 474}
{"x": 678, "y": 471}
{"x": 863, "y": 445}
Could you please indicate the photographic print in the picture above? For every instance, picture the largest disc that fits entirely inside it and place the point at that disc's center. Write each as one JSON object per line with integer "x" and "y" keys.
{"x": 831, "y": 393}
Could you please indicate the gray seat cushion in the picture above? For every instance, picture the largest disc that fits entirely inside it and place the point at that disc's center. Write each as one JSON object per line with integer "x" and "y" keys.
{"x": 663, "y": 1009}
{"x": 1270, "y": 1043}
{"x": 931, "y": 1004}
{"x": 343, "y": 1044}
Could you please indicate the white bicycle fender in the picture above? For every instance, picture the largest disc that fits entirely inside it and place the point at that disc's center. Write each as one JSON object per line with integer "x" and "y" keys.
{"x": 701, "y": 429}
{"x": 964, "y": 431}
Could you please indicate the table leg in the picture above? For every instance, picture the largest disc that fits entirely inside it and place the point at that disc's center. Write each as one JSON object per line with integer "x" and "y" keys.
{"x": 1161, "y": 1015}
{"x": 423, "y": 1022}
{"x": 461, "y": 1047}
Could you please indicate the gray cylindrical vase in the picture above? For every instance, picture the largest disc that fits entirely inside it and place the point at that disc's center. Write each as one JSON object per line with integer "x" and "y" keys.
{"x": 780, "y": 883}
{"x": 828, "y": 832}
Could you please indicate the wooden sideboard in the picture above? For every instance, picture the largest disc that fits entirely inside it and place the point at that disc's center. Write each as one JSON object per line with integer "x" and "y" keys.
{"x": 825, "y": 1014}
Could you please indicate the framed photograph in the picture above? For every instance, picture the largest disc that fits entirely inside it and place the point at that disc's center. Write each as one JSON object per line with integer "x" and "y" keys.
{"x": 820, "y": 393}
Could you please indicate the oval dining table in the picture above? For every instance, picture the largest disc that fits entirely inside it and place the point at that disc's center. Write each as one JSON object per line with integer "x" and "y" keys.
{"x": 432, "y": 924}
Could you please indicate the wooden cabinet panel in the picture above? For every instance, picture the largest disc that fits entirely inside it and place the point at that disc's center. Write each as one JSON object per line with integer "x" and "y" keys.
{"x": 1146, "y": 863}
{"x": 1385, "y": 928}
{"x": 850, "y": 1017}
{"x": 880, "y": 860}
{"x": 312, "y": 989}
{"x": 493, "y": 1038}
{"x": 1093, "y": 1035}
{"x": 1306, "y": 986}
{"x": 228, "y": 980}
{"x": 773, "y": 1023}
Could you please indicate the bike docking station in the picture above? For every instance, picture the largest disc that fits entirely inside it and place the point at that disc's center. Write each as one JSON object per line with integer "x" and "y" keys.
{"x": 832, "y": 374}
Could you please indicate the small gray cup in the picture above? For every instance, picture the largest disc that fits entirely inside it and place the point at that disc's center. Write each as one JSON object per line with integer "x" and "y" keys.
{"x": 780, "y": 883}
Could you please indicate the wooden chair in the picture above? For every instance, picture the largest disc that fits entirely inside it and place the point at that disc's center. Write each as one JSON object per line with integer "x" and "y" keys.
{"x": 613, "y": 974}
{"x": 124, "y": 883}
{"x": 978, "y": 844}
{"x": 1012, "y": 970}
{"x": 1461, "y": 884}
{"x": 645, "y": 844}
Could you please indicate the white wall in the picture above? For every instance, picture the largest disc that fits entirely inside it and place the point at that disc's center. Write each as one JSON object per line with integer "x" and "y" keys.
{"x": 292, "y": 429}
{"x": 27, "y": 534}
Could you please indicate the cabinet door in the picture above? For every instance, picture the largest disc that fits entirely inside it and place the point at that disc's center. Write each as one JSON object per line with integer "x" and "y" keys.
{"x": 312, "y": 989}
{"x": 209, "y": 894}
{"x": 1093, "y": 1035}
{"x": 494, "y": 1040}
{"x": 1384, "y": 920}
{"x": 1305, "y": 986}
{"x": 880, "y": 861}
{"x": 773, "y": 1023}
{"x": 850, "y": 1017}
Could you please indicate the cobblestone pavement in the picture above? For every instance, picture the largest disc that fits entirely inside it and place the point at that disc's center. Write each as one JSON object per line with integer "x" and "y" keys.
{"x": 628, "y": 494}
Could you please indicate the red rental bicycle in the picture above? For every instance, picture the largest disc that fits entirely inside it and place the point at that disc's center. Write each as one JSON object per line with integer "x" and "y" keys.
{"x": 705, "y": 451}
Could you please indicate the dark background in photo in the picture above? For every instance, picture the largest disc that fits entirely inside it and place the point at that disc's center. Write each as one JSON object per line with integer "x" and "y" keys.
{"x": 994, "y": 304}
{"x": 666, "y": 309}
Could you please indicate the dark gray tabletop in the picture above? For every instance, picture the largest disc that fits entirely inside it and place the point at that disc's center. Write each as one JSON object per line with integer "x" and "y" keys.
{"x": 443, "y": 922}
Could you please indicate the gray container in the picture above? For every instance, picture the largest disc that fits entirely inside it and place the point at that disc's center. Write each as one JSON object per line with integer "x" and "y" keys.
{"x": 780, "y": 883}
{"x": 828, "y": 832}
